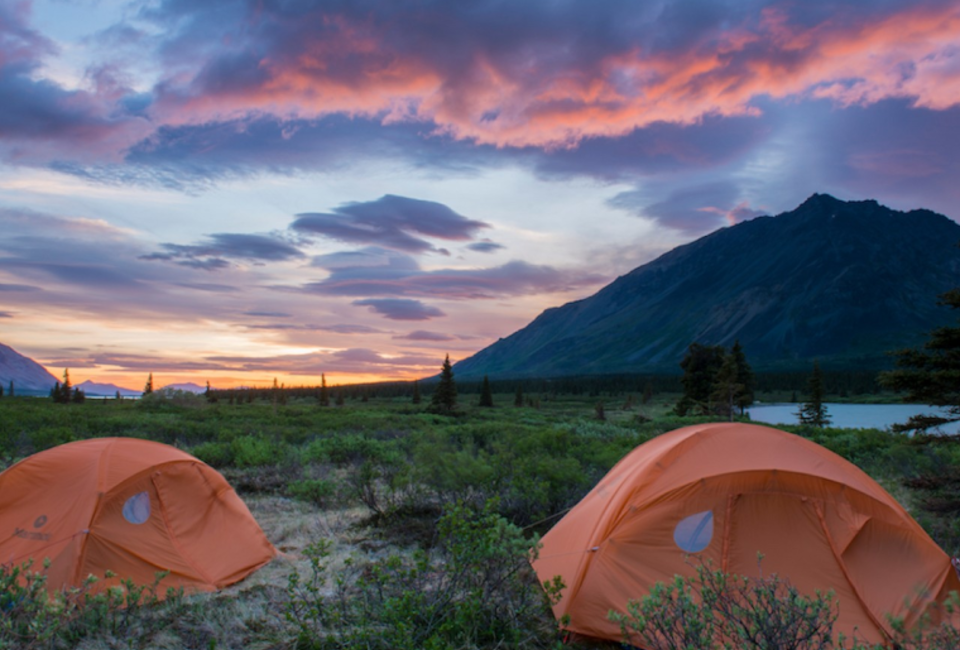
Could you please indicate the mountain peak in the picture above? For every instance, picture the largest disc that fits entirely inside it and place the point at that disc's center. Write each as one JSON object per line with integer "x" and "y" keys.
{"x": 841, "y": 281}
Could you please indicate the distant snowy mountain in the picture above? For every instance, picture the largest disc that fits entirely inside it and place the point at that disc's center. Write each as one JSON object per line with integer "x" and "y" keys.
{"x": 93, "y": 389}
{"x": 28, "y": 376}
{"x": 189, "y": 387}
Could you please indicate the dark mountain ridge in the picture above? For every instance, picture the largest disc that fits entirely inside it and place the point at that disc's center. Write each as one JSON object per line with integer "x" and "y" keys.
{"x": 28, "y": 376}
{"x": 841, "y": 281}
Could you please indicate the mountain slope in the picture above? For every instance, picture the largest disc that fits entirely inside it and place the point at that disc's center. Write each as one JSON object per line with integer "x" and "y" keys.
{"x": 27, "y": 375}
{"x": 840, "y": 281}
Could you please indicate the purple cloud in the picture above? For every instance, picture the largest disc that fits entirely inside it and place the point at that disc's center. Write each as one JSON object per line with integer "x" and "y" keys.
{"x": 423, "y": 335}
{"x": 18, "y": 287}
{"x": 210, "y": 255}
{"x": 42, "y": 121}
{"x": 693, "y": 209}
{"x": 268, "y": 314}
{"x": 391, "y": 222}
{"x": 336, "y": 329}
{"x": 515, "y": 278}
{"x": 6, "y": 314}
{"x": 400, "y": 309}
{"x": 485, "y": 246}
{"x": 352, "y": 360}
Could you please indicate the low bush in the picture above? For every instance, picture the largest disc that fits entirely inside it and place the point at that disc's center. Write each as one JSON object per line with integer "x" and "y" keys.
{"x": 33, "y": 617}
{"x": 715, "y": 610}
{"x": 474, "y": 589}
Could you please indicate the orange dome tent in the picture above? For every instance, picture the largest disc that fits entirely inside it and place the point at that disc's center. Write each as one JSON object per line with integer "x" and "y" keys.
{"x": 727, "y": 492}
{"x": 133, "y": 507}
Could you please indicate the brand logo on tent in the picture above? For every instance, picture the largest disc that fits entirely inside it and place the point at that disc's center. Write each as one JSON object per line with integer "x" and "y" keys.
{"x": 26, "y": 534}
{"x": 39, "y": 521}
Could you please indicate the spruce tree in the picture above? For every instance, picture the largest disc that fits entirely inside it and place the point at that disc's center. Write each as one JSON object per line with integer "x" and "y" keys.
{"x": 1, "y": 391}
{"x": 931, "y": 374}
{"x": 324, "y": 391}
{"x": 813, "y": 411}
{"x": 55, "y": 393}
{"x": 148, "y": 388}
{"x": 66, "y": 389}
{"x": 726, "y": 390}
{"x": 445, "y": 395}
{"x": 10, "y": 389}
{"x": 745, "y": 376}
{"x": 486, "y": 396}
{"x": 700, "y": 366}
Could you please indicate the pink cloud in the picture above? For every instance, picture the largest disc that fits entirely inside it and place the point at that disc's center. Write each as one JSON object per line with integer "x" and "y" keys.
{"x": 355, "y": 65}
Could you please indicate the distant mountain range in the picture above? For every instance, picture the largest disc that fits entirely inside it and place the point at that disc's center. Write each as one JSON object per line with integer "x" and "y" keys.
{"x": 28, "y": 376}
{"x": 842, "y": 282}
{"x": 95, "y": 389}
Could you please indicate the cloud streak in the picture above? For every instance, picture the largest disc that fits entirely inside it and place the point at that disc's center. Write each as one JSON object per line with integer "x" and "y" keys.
{"x": 394, "y": 222}
{"x": 400, "y": 309}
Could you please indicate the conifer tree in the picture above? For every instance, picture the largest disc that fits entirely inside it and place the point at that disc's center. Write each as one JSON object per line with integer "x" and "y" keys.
{"x": 445, "y": 395}
{"x": 726, "y": 390}
{"x": 416, "y": 392}
{"x": 486, "y": 396}
{"x": 931, "y": 374}
{"x": 10, "y": 389}
{"x": 745, "y": 376}
{"x": 55, "y": 393}
{"x": 324, "y": 391}
{"x": 700, "y": 366}
{"x": 1, "y": 391}
{"x": 66, "y": 389}
{"x": 148, "y": 388}
{"x": 813, "y": 411}
{"x": 339, "y": 401}
{"x": 78, "y": 397}
{"x": 518, "y": 397}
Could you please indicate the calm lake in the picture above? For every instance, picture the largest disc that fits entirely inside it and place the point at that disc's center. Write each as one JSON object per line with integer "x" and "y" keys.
{"x": 851, "y": 416}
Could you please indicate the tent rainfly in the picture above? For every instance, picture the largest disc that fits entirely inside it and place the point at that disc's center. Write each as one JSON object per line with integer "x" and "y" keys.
{"x": 727, "y": 492}
{"x": 133, "y": 507}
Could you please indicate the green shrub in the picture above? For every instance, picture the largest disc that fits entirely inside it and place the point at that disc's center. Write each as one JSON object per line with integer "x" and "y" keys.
{"x": 715, "y": 610}
{"x": 316, "y": 491}
{"x": 215, "y": 454}
{"x": 474, "y": 590}
{"x": 34, "y": 618}
{"x": 257, "y": 451}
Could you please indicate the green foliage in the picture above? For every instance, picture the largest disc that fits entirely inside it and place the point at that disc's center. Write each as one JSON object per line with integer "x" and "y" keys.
{"x": 34, "y": 618}
{"x": 170, "y": 400}
{"x": 726, "y": 388}
{"x": 745, "y": 377}
{"x": 715, "y": 610}
{"x": 445, "y": 394}
{"x": 486, "y": 396}
{"x": 813, "y": 411}
{"x": 930, "y": 375}
{"x": 700, "y": 366}
{"x": 316, "y": 491}
{"x": 474, "y": 589}
{"x": 257, "y": 451}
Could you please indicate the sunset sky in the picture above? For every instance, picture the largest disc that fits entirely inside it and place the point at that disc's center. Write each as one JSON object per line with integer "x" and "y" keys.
{"x": 236, "y": 191}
